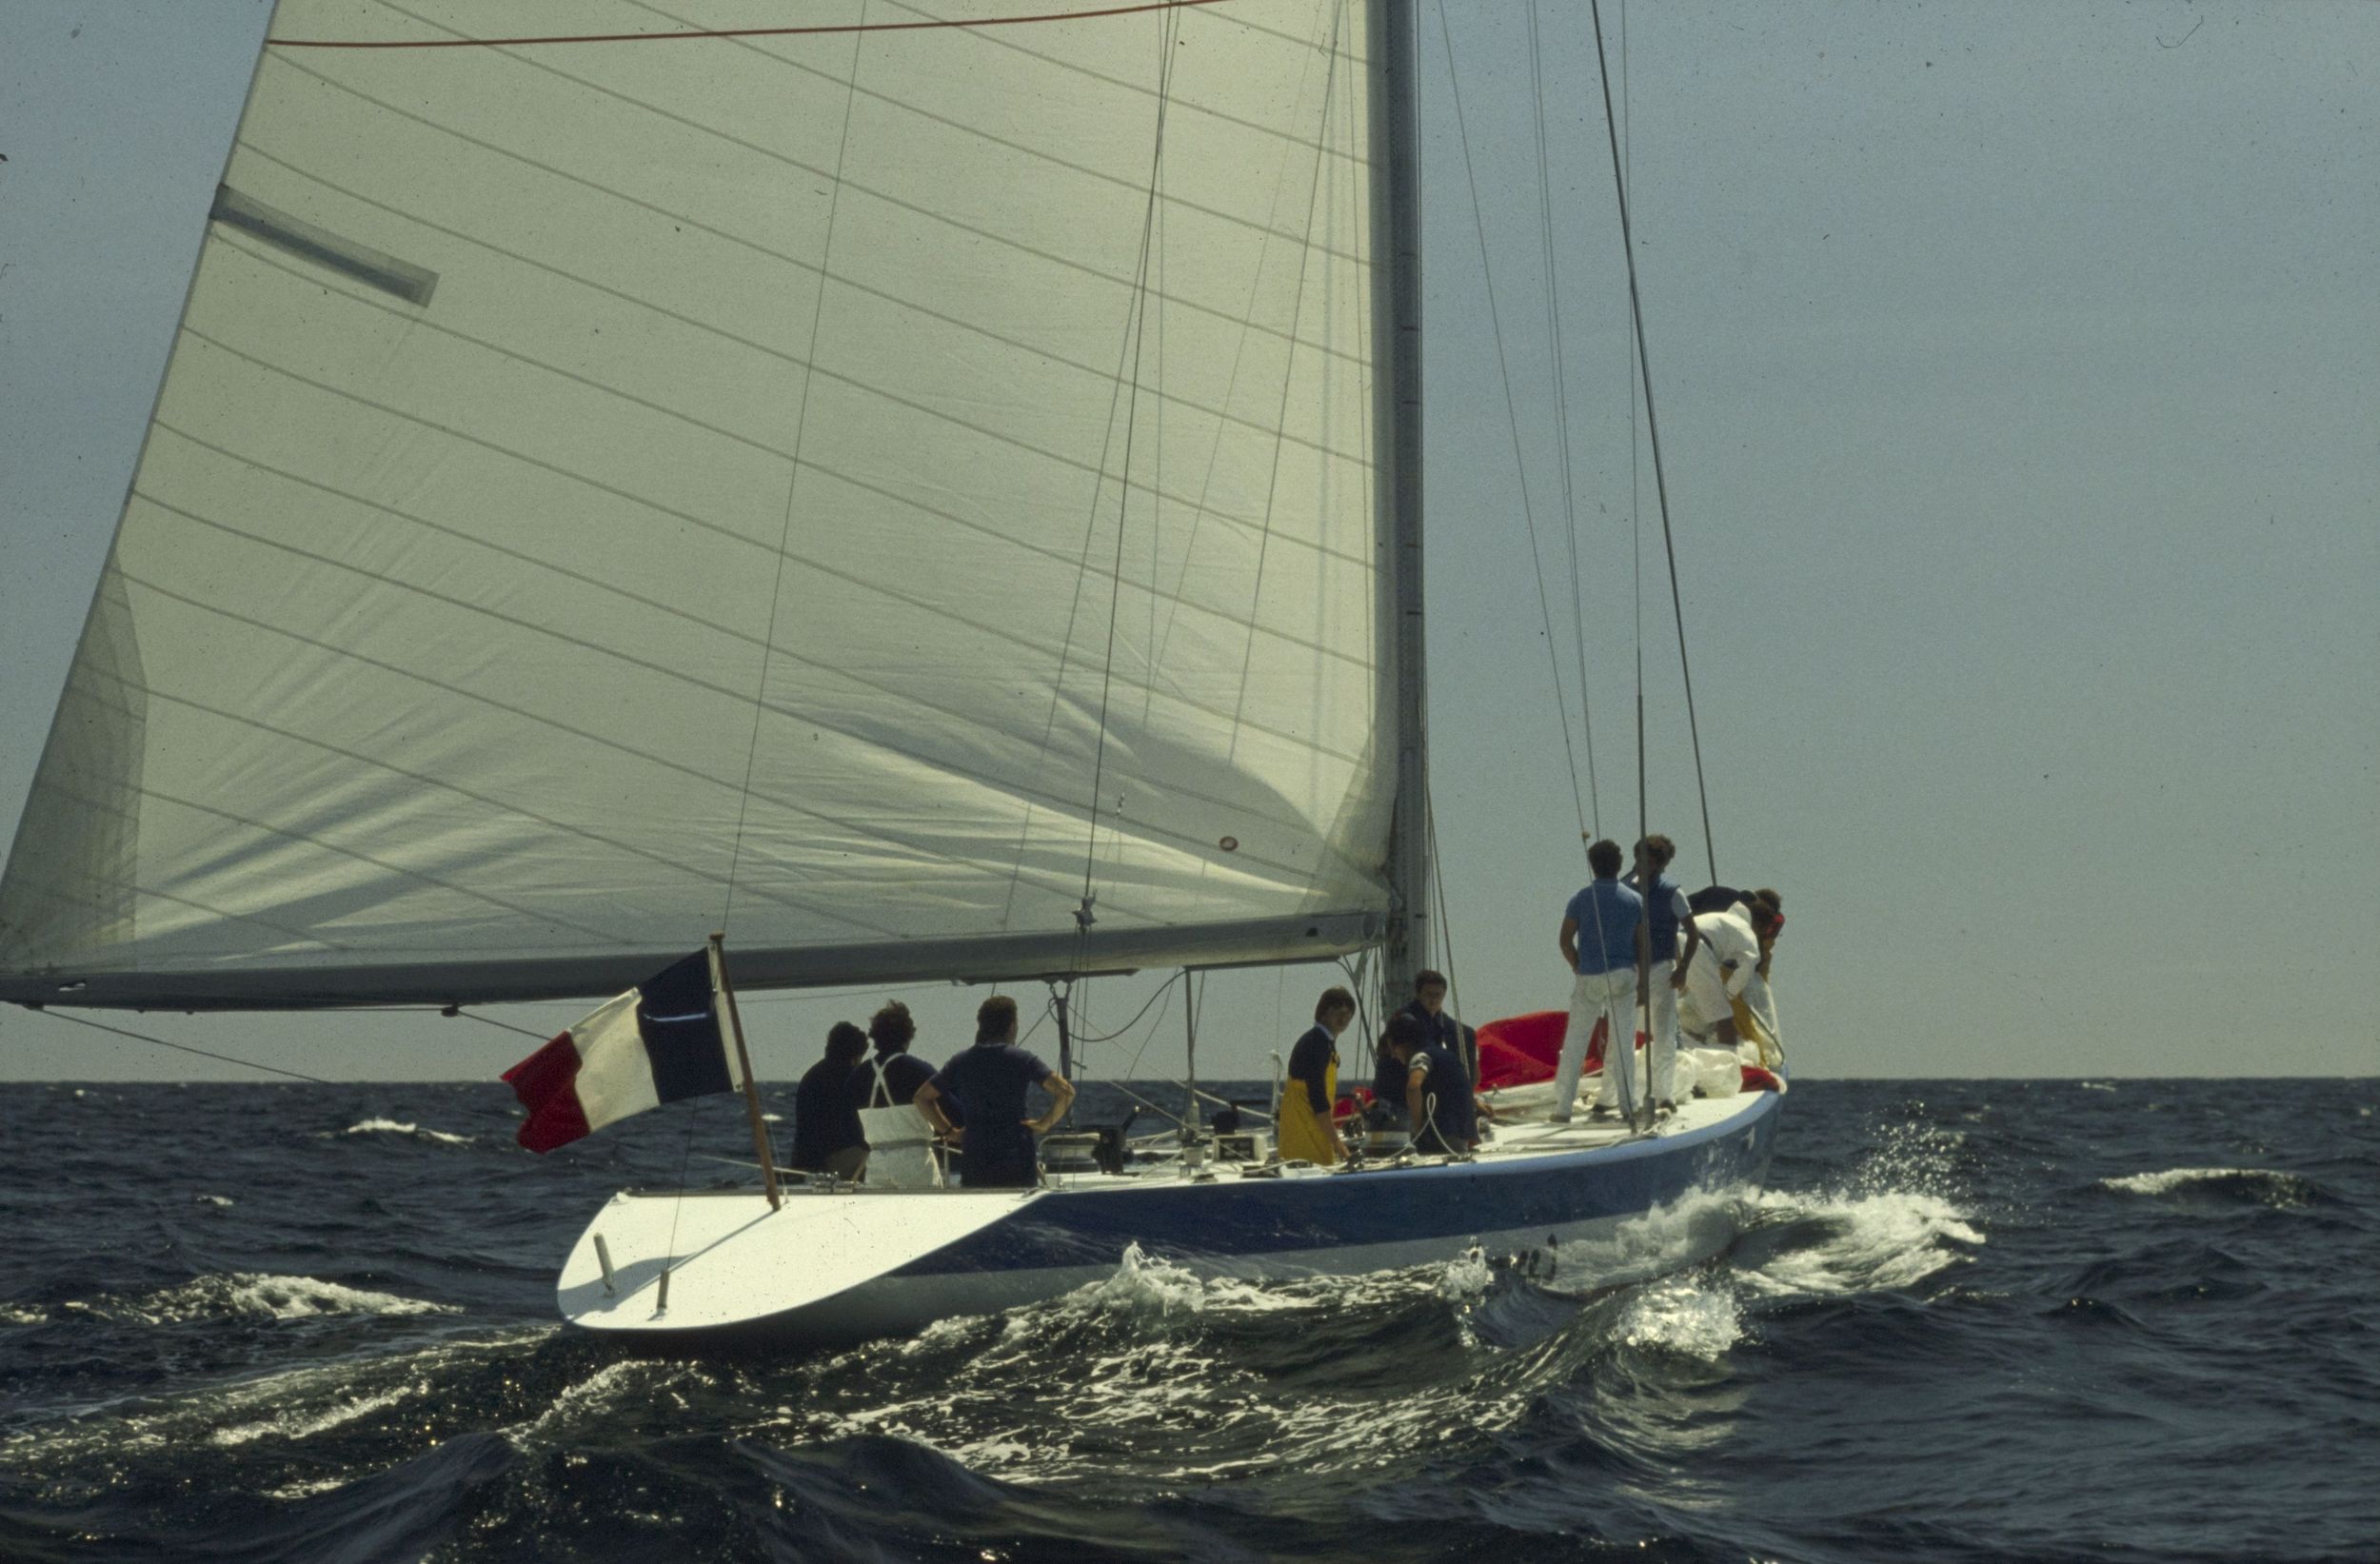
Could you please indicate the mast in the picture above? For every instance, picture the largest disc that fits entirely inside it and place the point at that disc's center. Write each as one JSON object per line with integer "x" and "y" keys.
{"x": 1396, "y": 148}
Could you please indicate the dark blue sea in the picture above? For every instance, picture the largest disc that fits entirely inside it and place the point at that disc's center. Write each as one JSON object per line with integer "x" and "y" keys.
{"x": 1971, "y": 1320}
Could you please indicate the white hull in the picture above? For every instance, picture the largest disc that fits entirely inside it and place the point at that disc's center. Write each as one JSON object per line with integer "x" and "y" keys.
{"x": 836, "y": 1265}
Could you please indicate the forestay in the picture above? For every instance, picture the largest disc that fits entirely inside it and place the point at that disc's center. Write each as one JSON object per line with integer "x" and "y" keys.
{"x": 603, "y": 489}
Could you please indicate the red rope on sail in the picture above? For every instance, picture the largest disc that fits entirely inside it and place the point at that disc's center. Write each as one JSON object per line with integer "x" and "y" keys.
{"x": 737, "y": 32}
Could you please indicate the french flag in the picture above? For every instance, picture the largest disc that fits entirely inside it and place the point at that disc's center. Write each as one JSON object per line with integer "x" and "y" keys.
{"x": 659, "y": 1042}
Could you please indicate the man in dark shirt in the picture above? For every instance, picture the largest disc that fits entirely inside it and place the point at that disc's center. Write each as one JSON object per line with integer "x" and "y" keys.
{"x": 1438, "y": 1092}
{"x": 1438, "y": 1026}
{"x": 988, "y": 1081}
{"x": 827, "y": 1135}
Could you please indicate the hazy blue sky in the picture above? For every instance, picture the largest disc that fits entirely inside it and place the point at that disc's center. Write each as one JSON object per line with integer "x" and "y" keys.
{"x": 2016, "y": 367}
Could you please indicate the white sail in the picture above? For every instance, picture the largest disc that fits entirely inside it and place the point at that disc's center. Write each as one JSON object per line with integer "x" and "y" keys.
{"x": 603, "y": 489}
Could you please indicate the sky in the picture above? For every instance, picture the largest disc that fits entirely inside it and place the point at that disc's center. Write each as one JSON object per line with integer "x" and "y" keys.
{"x": 2016, "y": 375}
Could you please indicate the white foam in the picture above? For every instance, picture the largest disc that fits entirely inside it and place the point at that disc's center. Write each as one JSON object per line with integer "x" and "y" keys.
{"x": 392, "y": 1126}
{"x": 1873, "y": 1243}
{"x": 1462, "y": 1279}
{"x": 216, "y": 1200}
{"x": 1683, "y": 1314}
{"x": 255, "y": 1296}
{"x": 1141, "y": 1283}
{"x": 590, "y": 1394}
{"x": 305, "y": 1489}
{"x": 2277, "y": 1187}
{"x": 2098, "y": 1086}
{"x": 294, "y": 1424}
{"x": 12, "y": 1314}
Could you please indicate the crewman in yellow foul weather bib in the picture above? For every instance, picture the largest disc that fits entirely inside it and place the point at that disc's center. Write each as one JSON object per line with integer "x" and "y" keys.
{"x": 1307, "y": 1132}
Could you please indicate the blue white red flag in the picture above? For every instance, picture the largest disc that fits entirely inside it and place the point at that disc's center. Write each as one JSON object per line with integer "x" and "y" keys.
{"x": 659, "y": 1042}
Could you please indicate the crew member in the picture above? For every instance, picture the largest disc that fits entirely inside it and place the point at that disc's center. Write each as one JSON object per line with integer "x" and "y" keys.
{"x": 1602, "y": 937}
{"x": 1308, "y": 1133}
{"x": 1726, "y": 1001}
{"x": 1438, "y": 1093}
{"x": 988, "y": 1082}
{"x": 1768, "y": 921}
{"x": 1724, "y": 962}
{"x": 1667, "y": 918}
{"x": 827, "y": 1137}
{"x": 895, "y": 1074}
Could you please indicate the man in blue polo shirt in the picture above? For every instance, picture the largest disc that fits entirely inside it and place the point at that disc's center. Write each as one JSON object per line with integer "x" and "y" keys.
{"x": 1603, "y": 934}
{"x": 1669, "y": 926}
{"x": 989, "y": 1081}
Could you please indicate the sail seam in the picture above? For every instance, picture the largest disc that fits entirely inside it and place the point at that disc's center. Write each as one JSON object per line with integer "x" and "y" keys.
{"x": 1239, "y": 20}
{"x": 1064, "y": 68}
{"x": 564, "y": 827}
{"x": 411, "y": 317}
{"x": 655, "y": 505}
{"x": 1140, "y": 328}
{"x": 1037, "y": 154}
{"x": 386, "y": 866}
{"x": 793, "y": 489}
{"x": 659, "y": 606}
{"x": 1288, "y": 379}
{"x": 1240, "y": 348}
{"x": 860, "y": 386}
{"x": 1145, "y": 828}
{"x": 942, "y": 219}
{"x": 51, "y": 891}
{"x": 692, "y": 35}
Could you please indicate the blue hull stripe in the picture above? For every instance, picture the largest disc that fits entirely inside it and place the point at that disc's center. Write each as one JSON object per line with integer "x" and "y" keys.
{"x": 1258, "y": 1217}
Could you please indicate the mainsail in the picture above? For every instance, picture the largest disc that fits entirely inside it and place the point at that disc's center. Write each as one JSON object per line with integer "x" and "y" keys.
{"x": 912, "y": 490}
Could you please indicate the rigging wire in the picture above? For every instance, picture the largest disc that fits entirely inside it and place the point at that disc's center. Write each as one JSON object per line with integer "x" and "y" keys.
{"x": 1280, "y": 417}
{"x": 1562, "y": 415}
{"x": 185, "y": 1048}
{"x": 1123, "y": 498}
{"x": 1438, "y": 887}
{"x": 1652, "y": 434}
{"x": 1512, "y": 413}
{"x": 1126, "y": 352}
{"x": 491, "y": 1021}
{"x": 793, "y": 478}
{"x": 1110, "y": 1036}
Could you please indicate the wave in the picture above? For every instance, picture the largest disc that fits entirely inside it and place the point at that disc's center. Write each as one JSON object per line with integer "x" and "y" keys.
{"x": 1691, "y": 1316}
{"x": 410, "y": 1131}
{"x": 2237, "y": 1186}
{"x": 295, "y": 1424}
{"x": 1833, "y": 1246}
{"x": 249, "y": 1295}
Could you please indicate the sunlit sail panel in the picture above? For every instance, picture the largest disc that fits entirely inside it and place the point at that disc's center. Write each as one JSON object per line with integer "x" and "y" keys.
{"x": 589, "y": 474}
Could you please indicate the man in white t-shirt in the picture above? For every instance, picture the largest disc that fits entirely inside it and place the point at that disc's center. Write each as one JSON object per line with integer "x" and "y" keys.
{"x": 1725, "y": 963}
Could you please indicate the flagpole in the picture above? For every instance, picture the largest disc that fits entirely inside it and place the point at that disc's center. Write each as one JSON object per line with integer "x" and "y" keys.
{"x": 743, "y": 1059}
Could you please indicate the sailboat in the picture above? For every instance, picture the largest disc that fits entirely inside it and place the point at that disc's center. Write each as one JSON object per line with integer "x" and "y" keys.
{"x": 931, "y": 487}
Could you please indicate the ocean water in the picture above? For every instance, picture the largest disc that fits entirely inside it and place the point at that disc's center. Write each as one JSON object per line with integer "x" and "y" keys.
{"x": 1970, "y": 1320}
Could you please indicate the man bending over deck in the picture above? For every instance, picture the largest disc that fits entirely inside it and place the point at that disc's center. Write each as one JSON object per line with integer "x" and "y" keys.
{"x": 988, "y": 1082}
